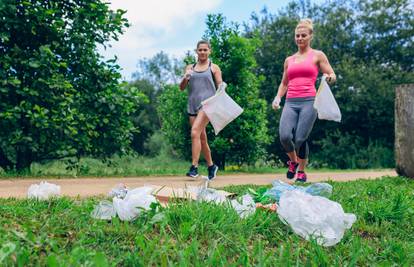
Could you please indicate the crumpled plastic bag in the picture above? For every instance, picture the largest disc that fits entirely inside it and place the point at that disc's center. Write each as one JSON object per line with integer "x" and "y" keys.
{"x": 104, "y": 210}
{"x": 246, "y": 208}
{"x": 314, "y": 216}
{"x": 43, "y": 190}
{"x": 210, "y": 195}
{"x": 119, "y": 191}
{"x": 316, "y": 189}
{"x": 135, "y": 201}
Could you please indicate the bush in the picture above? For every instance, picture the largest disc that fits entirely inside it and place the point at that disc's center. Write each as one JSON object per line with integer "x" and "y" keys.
{"x": 344, "y": 150}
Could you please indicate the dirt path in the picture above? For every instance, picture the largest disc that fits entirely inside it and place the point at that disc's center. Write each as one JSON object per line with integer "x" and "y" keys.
{"x": 96, "y": 186}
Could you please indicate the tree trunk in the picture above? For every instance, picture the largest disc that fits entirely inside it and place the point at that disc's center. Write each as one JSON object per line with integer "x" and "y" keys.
{"x": 404, "y": 130}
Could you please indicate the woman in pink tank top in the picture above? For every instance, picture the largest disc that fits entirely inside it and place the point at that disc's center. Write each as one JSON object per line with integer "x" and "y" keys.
{"x": 298, "y": 84}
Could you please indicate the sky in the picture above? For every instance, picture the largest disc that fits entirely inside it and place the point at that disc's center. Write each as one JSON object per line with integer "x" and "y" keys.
{"x": 173, "y": 26}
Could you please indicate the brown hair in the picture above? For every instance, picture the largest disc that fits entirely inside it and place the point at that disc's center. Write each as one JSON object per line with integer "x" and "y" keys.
{"x": 204, "y": 42}
{"x": 305, "y": 23}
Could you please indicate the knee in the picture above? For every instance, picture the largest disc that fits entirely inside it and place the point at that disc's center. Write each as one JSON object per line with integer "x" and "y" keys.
{"x": 299, "y": 142}
{"x": 195, "y": 133}
{"x": 285, "y": 138}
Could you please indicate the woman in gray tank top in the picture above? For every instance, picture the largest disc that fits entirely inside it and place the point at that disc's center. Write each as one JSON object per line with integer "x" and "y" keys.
{"x": 202, "y": 78}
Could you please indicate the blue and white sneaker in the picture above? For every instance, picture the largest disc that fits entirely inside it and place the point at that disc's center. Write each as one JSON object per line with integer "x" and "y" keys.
{"x": 192, "y": 172}
{"x": 212, "y": 171}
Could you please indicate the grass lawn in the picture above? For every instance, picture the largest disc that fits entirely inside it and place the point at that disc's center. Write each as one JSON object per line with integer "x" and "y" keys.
{"x": 60, "y": 232}
{"x": 134, "y": 166}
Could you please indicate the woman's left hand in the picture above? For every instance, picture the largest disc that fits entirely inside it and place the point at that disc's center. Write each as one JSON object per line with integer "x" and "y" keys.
{"x": 331, "y": 78}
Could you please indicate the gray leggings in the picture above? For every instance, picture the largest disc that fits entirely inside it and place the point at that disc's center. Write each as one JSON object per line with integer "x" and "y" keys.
{"x": 296, "y": 123}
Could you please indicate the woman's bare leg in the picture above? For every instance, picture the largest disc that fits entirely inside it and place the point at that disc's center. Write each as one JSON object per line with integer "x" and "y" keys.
{"x": 198, "y": 126}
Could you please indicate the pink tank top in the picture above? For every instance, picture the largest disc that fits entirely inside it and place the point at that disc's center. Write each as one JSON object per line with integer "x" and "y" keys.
{"x": 302, "y": 77}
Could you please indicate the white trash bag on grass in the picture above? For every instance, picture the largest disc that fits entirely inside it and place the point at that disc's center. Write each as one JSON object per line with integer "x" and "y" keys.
{"x": 104, "y": 210}
{"x": 325, "y": 103}
{"x": 43, "y": 190}
{"x": 246, "y": 208}
{"x": 314, "y": 216}
{"x": 221, "y": 109}
{"x": 119, "y": 191}
{"x": 135, "y": 201}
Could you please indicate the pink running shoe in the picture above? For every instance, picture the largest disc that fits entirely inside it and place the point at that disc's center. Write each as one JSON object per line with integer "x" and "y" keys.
{"x": 301, "y": 177}
{"x": 293, "y": 166}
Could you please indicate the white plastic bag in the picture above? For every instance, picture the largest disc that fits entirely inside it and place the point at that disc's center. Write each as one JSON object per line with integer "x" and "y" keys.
{"x": 104, "y": 210}
{"x": 43, "y": 191}
{"x": 134, "y": 203}
{"x": 119, "y": 191}
{"x": 316, "y": 189}
{"x": 246, "y": 208}
{"x": 211, "y": 195}
{"x": 221, "y": 109}
{"x": 314, "y": 216}
{"x": 325, "y": 103}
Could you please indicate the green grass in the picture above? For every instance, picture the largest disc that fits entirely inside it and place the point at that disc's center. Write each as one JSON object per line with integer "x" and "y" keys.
{"x": 133, "y": 166}
{"x": 60, "y": 232}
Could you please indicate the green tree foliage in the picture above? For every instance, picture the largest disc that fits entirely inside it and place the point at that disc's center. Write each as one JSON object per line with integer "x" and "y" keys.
{"x": 152, "y": 75}
{"x": 58, "y": 97}
{"x": 172, "y": 111}
{"x": 244, "y": 139}
{"x": 370, "y": 46}
{"x": 159, "y": 70}
{"x": 145, "y": 118}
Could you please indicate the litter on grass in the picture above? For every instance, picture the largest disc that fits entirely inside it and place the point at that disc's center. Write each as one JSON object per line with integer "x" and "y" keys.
{"x": 118, "y": 191}
{"x": 273, "y": 194}
{"x": 129, "y": 204}
{"x": 104, "y": 210}
{"x": 246, "y": 208}
{"x": 127, "y": 208}
{"x": 314, "y": 217}
{"x": 200, "y": 193}
{"x": 43, "y": 190}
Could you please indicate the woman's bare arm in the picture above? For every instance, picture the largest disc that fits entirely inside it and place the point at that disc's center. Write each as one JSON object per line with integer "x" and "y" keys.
{"x": 186, "y": 77}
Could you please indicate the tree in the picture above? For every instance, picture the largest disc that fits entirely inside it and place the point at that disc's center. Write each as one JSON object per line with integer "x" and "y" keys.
{"x": 244, "y": 139}
{"x": 58, "y": 97}
{"x": 145, "y": 117}
{"x": 159, "y": 70}
{"x": 175, "y": 125}
{"x": 404, "y": 130}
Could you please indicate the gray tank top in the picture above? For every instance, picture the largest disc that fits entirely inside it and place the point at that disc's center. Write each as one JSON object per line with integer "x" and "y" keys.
{"x": 201, "y": 87}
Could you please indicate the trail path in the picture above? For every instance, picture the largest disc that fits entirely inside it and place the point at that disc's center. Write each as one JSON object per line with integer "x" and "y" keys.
{"x": 85, "y": 187}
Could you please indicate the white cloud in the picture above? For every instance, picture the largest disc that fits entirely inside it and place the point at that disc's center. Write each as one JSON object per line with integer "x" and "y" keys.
{"x": 153, "y": 22}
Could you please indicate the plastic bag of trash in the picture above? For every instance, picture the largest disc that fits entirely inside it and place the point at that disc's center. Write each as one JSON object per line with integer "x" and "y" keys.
{"x": 104, "y": 210}
{"x": 316, "y": 189}
{"x": 221, "y": 109}
{"x": 143, "y": 190}
{"x": 210, "y": 195}
{"x": 325, "y": 103}
{"x": 135, "y": 201}
{"x": 246, "y": 208}
{"x": 118, "y": 191}
{"x": 319, "y": 189}
{"x": 43, "y": 190}
{"x": 314, "y": 217}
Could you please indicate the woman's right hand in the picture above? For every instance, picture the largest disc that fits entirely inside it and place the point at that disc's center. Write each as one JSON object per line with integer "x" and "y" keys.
{"x": 276, "y": 103}
{"x": 188, "y": 74}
